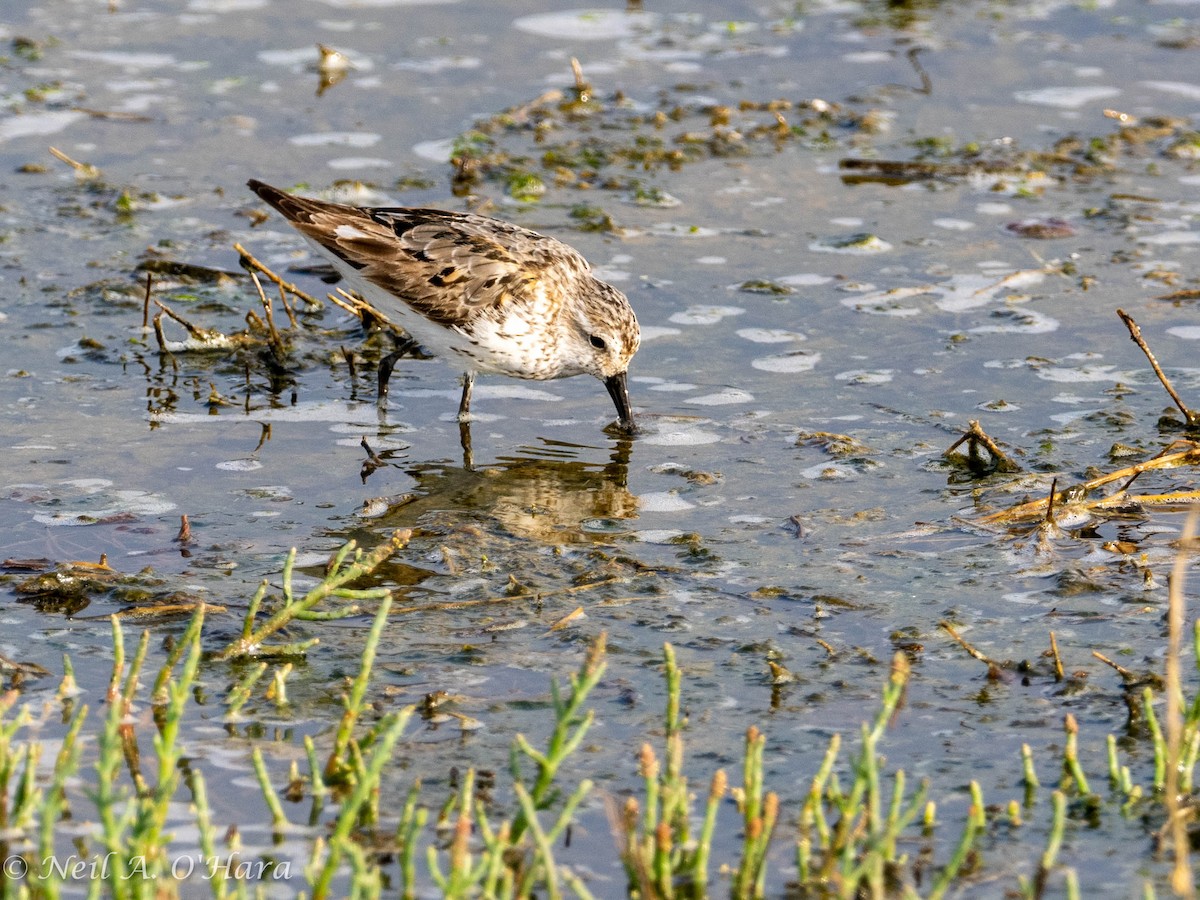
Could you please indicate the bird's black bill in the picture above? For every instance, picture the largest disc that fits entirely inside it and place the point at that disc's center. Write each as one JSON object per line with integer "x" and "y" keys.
{"x": 618, "y": 390}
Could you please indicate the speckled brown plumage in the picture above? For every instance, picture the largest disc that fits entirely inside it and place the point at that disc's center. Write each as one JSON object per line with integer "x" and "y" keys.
{"x": 495, "y": 296}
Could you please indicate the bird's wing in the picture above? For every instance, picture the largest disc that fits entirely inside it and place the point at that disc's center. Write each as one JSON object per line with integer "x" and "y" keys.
{"x": 448, "y": 266}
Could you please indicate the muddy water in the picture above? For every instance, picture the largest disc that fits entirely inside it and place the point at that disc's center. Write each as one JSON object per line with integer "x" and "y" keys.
{"x": 781, "y": 294}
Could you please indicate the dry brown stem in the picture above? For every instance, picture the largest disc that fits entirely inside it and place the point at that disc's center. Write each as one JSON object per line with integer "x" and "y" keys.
{"x": 248, "y": 262}
{"x": 1192, "y": 418}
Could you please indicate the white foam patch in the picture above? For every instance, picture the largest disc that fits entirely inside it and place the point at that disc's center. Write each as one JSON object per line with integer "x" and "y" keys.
{"x": 435, "y": 151}
{"x": 864, "y": 376}
{"x": 954, "y": 224}
{"x": 239, "y": 465}
{"x": 672, "y": 229}
{"x": 1066, "y": 418}
{"x": 651, "y": 332}
{"x": 827, "y": 472}
{"x": 658, "y": 535}
{"x": 138, "y": 503}
{"x": 866, "y": 245}
{"x": 439, "y": 64}
{"x": 587, "y": 24}
{"x": 769, "y": 335}
{"x": 963, "y": 292}
{"x": 887, "y": 303}
{"x": 663, "y": 501}
{"x": 380, "y": 4}
{"x": 1171, "y": 237}
{"x": 868, "y": 56}
{"x": 805, "y": 279}
{"x": 126, "y": 60}
{"x": 711, "y": 260}
{"x": 1187, "y": 332}
{"x": 88, "y": 485}
{"x": 705, "y": 315}
{"x": 723, "y": 398}
{"x": 35, "y": 124}
{"x": 335, "y": 139}
{"x": 1180, "y": 88}
{"x": 292, "y": 57}
{"x": 1067, "y": 97}
{"x": 673, "y": 387}
{"x": 359, "y": 162}
{"x": 684, "y": 437}
{"x": 225, "y": 6}
{"x": 1019, "y": 321}
{"x": 799, "y": 361}
{"x": 1024, "y": 598}
{"x": 1081, "y": 374}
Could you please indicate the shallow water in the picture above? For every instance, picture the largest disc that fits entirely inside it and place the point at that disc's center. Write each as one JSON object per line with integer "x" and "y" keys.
{"x": 779, "y": 295}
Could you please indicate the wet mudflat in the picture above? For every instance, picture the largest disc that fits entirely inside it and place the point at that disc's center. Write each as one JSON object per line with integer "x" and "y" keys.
{"x": 847, "y": 231}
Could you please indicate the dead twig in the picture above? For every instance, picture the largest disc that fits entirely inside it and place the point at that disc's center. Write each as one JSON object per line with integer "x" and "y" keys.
{"x": 1058, "y": 666}
{"x": 82, "y": 170}
{"x": 1192, "y": 418}
{"x": 1127, "y": 675}
{"x": 248, "y": 262}
{"x": 995, "y": 669}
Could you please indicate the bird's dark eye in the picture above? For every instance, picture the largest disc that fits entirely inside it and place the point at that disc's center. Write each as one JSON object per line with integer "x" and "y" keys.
{"x": 597, "y": 341}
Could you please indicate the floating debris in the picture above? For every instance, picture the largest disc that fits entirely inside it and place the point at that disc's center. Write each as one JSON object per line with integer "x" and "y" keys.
{"x": 1042, "y": 229}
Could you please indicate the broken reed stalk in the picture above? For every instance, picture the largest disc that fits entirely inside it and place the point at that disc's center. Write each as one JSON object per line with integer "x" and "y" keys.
{"x": 994, "y": 667}
{"x": 1058, "y": 666}
{"x": 1192, "y": 418}
{"x": 82, "y": 170}
{"x": 268, "y": 308}
{"x": 975, "y": 437}
{"x": 248, "y": 262}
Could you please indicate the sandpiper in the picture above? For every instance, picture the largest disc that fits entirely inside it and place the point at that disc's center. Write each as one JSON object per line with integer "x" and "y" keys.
{"x": 489, "y": 295}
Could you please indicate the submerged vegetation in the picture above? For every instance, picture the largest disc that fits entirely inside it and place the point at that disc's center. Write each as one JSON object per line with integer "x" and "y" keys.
{"x": 860, "y": 830}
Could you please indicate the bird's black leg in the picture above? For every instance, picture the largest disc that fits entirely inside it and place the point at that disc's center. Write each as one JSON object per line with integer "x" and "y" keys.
{"x": 464, "y": 407}
{"x": 407, "y": 346}
{"x": 464, "y": 438}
